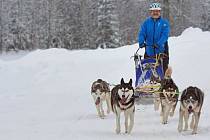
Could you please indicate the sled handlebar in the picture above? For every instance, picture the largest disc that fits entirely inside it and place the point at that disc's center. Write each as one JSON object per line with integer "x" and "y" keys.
{"x": 137, "y": 56}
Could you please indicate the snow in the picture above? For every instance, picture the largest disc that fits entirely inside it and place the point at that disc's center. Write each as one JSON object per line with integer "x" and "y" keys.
{"x": 45, "y": 94}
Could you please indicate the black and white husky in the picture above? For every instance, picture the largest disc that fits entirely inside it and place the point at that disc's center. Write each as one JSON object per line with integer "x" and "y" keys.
{"x": 191, "y": 103}
{"x": 101, "y": 92}
{"x": 122, "y": 100}
{"x": 168, "y": 96}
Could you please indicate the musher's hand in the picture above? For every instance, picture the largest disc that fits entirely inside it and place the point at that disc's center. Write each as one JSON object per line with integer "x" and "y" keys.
{"x": 155, "y": 46}
{"x": 142, "y": 45}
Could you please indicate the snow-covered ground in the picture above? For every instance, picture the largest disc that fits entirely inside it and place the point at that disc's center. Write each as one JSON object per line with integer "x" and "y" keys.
{"x": 45, "y": 94}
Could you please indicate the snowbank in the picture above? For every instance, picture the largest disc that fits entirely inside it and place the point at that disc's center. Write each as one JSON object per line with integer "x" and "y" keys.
{"x": 45, "y": 94}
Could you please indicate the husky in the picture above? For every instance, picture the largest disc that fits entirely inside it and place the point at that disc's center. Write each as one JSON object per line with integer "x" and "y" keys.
{"x": 122, "y": 100}
{"x": 168, "y": 96}
{"x": 167, "y": 75}
{"x": 191, "y": 103}
{"x": 100, "y": 92}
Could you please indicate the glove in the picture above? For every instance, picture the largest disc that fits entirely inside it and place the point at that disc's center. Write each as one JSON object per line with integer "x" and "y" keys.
{"x": 142, "y": 45}
{"x": 155, "y": 46}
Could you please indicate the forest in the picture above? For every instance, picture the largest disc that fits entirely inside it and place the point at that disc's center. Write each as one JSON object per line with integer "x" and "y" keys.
{"x": 89, "y": 24}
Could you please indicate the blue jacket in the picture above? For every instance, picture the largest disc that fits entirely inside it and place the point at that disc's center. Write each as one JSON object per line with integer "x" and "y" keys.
{"x": 154, "y": 32}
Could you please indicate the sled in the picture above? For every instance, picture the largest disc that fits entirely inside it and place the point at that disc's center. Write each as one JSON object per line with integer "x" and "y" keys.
{"x": 149, "y": 73}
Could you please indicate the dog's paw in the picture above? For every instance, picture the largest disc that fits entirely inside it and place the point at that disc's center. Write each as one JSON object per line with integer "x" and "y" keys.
{"x": 99, "y": 114}
{"x": 128, "y": 133}
{"x": 117, "y": 131}
{"x": 194, "y": 132}
{"x": 164, "y": 122}
{"x": 108, "y": 111}
{"x": 102, "y": 116}
{"x": 179, "y": 129}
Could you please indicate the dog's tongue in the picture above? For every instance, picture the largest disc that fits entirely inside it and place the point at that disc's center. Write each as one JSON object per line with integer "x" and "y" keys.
{"x": 97, "y": 101}
{"x": 123, "y": 100}
{"x": 190, "y": 111}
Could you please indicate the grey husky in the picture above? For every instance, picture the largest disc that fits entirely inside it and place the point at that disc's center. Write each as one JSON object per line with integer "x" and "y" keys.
{"x": 191, "y": 103}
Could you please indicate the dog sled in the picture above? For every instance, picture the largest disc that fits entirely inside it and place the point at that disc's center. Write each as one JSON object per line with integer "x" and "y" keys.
{"x": 149, "y": 73}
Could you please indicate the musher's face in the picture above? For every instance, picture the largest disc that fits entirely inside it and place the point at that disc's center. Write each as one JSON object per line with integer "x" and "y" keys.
{"x": 155, "y": 13}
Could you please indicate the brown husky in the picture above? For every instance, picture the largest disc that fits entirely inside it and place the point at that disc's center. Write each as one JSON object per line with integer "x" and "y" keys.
{"x": 101, "y": 92}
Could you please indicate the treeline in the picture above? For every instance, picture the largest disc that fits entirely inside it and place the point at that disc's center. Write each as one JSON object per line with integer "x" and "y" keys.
{"x": 89, "y": 24}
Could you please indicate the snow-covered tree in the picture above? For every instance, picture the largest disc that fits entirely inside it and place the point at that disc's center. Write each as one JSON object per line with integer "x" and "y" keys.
{"x": 79, "y": 24}
{"x": 206, "y": 15}
{"x": 108, "y": 24}
{"x": 1, "y": 26}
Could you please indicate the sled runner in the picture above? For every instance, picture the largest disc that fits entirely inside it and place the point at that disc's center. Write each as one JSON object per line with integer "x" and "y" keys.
{"x": 149, "y": 73}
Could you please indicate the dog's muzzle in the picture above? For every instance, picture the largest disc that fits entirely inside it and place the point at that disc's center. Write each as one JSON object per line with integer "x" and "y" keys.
{"x": 190, "y": 110}
{"x": 123, "y": 99}
{"x": 98, "y": 101}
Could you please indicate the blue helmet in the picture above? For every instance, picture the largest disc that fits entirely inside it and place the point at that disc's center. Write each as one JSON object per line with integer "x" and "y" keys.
{"x": 155, "y": 6}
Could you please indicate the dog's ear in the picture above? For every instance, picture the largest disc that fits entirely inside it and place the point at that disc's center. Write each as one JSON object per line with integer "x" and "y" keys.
{"x": 99, "y": 80}
{"x": 122, "y": 82}
{"x": 183, "y": 96}
{"x": 130, "y": 82}
{"x": 168, "y": 72}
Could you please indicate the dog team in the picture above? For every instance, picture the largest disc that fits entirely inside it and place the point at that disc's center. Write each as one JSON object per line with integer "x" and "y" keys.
{"x": 121, "y": 99}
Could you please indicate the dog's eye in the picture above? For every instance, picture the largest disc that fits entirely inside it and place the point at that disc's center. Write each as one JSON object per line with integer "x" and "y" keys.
{"x": 193, "y": 101}
{"x": 187, "y": 101}
{"x": 126, "y": 90}
{"x": 94, "y": 94}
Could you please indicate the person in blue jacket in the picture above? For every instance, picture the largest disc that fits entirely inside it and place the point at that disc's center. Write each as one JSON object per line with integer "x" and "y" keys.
{"x": 154, "y": 35}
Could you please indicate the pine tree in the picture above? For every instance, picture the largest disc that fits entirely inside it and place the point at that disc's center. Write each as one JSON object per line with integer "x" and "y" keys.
{"x": 206, "y": 15}
{"x": 13, "y": 40}
{"x": 208, "y": 19}
{"x": 108, "y": 25}
{"x": 1, "y": 26}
